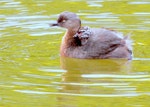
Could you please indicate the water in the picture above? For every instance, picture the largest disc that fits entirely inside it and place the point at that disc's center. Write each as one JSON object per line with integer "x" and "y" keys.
{"x": 32, "y": 74}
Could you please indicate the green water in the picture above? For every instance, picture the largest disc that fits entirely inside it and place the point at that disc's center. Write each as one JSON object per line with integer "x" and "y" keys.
{"x": 32, "y": 74}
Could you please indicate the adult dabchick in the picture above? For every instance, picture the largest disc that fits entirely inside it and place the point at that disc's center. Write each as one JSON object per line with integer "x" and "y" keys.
{"x": 86, "y": 42}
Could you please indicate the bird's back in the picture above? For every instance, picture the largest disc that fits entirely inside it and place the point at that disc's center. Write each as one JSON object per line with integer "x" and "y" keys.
{"x": 102, "y": 43}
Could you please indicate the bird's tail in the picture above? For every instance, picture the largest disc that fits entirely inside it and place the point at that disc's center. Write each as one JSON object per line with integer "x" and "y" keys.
{"x": 128, "y": 40}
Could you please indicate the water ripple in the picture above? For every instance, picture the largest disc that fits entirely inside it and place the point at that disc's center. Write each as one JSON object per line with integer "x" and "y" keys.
{"x": 114, "y": 76}
{"x": 45, "y": 69}
{"x": 83, "y": 95}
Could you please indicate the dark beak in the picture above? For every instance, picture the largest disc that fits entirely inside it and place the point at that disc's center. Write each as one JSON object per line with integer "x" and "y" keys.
{"x": 56, "y": 24}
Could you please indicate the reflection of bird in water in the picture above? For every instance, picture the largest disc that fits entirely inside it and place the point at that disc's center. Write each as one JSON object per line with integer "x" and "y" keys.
{"x": 84, "y": 78}
{"x": 90, "y": 71}
{"x": 86, "y": 42}
{"x": 92, "y": 66}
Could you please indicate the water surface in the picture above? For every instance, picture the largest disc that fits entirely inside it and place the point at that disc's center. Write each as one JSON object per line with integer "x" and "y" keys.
{"x": 32, "y": 74}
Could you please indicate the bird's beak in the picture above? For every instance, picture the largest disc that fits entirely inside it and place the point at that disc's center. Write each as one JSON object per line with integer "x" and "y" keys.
{"x": 55, "y": 24}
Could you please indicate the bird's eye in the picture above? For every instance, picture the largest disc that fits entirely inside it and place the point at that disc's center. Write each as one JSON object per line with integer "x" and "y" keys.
{"x": 63, "y": 21}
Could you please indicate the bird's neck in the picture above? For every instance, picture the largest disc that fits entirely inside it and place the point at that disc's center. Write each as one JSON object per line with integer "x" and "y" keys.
{"x": 69, "y": 39}
{"x": 69, "y": 42}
